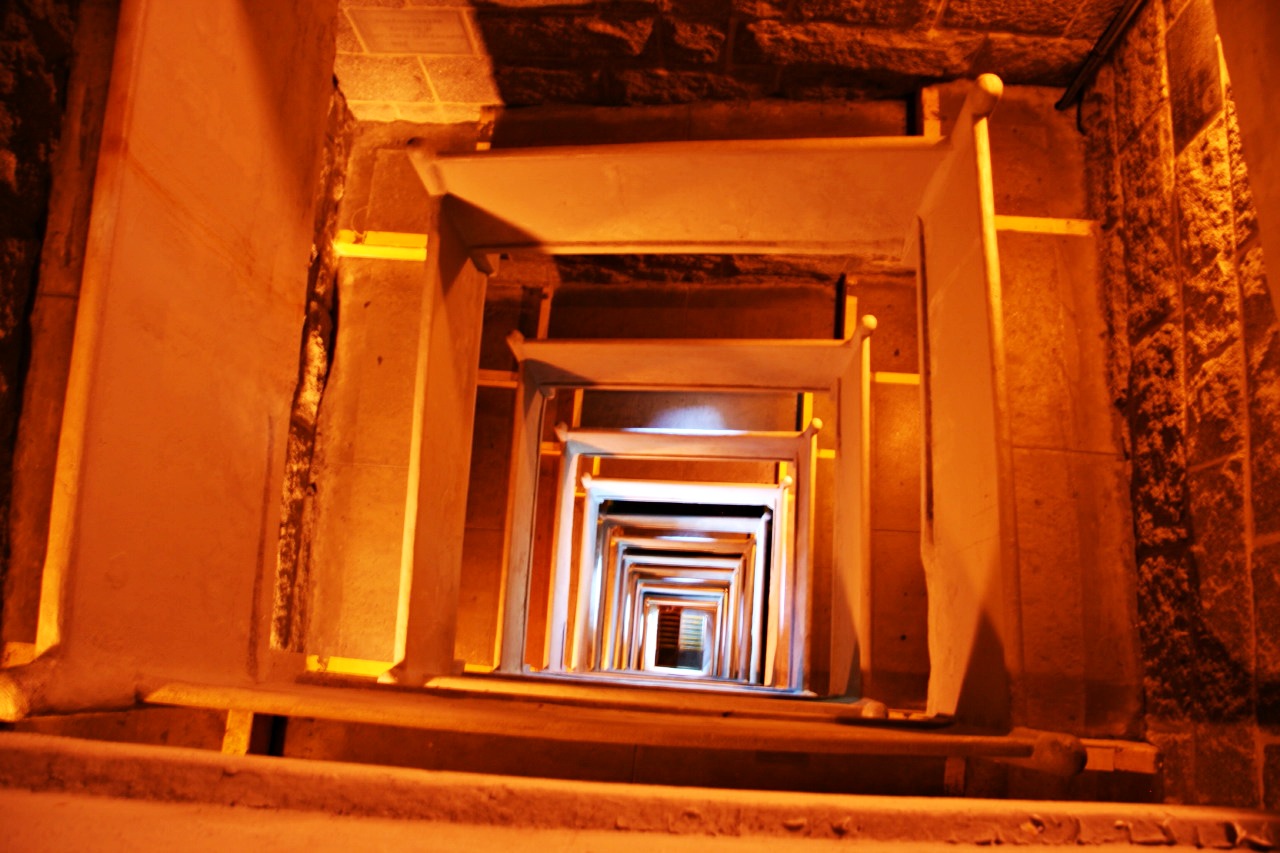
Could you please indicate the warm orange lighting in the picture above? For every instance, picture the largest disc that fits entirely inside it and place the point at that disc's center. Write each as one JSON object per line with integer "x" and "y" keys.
{"x": 347, "y": 666}
{"x": 382, "y": 245}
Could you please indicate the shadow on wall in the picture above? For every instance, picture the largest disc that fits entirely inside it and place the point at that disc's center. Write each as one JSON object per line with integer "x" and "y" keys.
{"x": 636, "y": 54}
{"x": 1192, "y": 673}
{"x": 986, "y": 678}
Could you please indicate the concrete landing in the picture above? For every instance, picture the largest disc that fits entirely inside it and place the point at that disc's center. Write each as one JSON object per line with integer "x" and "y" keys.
{"x": 59, "y": 793}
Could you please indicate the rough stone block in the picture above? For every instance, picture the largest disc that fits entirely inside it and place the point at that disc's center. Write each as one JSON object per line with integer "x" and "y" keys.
{"x": 773, "y": 119}
{"x": 1165, "y": 595}
{"x": 1262, "y": 348}
{"x": 1030, "y": 60}
{"x": 1246, "y": 216}
{"x": 1195, "y": 81}
{"x": 693, "y": 42}
{"x": 659, "y": 86}
{"x": 1159, "y": 460}
{"x": 512, "y": 38}
{"x": 1051, "y": 18}
{"x": 898, "y": 14}
{"x": 1218, "y": 527}
{"x": 1215, "y": 407}
{"x": 1141, "y": 75}
{"x": 1146, "y": 168}
{"x": 1211, "y": 302}
{"x": 828, "y": 84}
{"x": 929, "y": 55}
{"x": 756, "y": 8}
{"x": 1092, "y": 18}
{"x": 1266, "y": 604}
{"x": 381, "y": 78}
{"x": 527, "y": 87}
{"x": 1190, "y": 674}
{"x": 1101, "y": 163}
{"x": 1226, "y": 769}
{"x": 1205, "y": 228}
{"x": 1176, "y": 764}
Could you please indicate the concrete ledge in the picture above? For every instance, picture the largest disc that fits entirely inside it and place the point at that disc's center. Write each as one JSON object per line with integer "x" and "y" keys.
{"x": 181, "y": 776}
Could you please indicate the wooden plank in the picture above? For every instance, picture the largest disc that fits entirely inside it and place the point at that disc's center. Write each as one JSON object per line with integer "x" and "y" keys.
{"x": 764, "y": 365}
{"x": 391, "y": 706}
{"x": 722, "y": 196}
{"x": 447, "y": 373}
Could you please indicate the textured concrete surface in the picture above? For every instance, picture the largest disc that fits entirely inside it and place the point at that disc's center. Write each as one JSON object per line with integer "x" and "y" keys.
{"x": 80, "y": 775}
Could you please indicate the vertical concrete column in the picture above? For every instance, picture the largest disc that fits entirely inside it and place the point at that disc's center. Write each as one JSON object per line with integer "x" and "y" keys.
{"x": 440, "y": 456}
{"x": 851, "y": 578}
{"x": 970, "y": 544}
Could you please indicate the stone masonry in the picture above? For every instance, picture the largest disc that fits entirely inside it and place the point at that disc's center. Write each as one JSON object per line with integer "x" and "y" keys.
{"x": 1195, "y": 368}
{"x": 442, "y": 61}
{"x": 35, "y": 58}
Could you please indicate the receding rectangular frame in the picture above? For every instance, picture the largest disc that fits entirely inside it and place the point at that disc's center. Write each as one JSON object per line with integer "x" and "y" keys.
{"x": 707, "y": 365}
{"x": 741, "y": 612}
{"x": 798, "y": 449}
{"x": 717, "y": 531}
{"x": 580, "y": 656}
{"x": 651, "y": 605}
{"x": 570, "y": 363}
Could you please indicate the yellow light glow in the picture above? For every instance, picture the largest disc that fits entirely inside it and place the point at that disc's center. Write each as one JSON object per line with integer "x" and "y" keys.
{"x": 347, "y": 666}
{"x": 382, "y": 245}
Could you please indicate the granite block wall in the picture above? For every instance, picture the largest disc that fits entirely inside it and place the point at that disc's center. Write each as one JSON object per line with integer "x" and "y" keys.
{"x": 1194, "y": 366}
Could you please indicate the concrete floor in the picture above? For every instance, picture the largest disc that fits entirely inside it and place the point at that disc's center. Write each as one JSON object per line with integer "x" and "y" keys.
{"x": 55, "y": 822}
{"x": 65, "y": 794}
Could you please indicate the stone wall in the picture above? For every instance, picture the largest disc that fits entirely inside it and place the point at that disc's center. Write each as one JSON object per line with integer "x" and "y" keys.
{"x": 35, "y": 58}
{"x": 1195, "y": 369}
{"x": 441, "y": 61}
